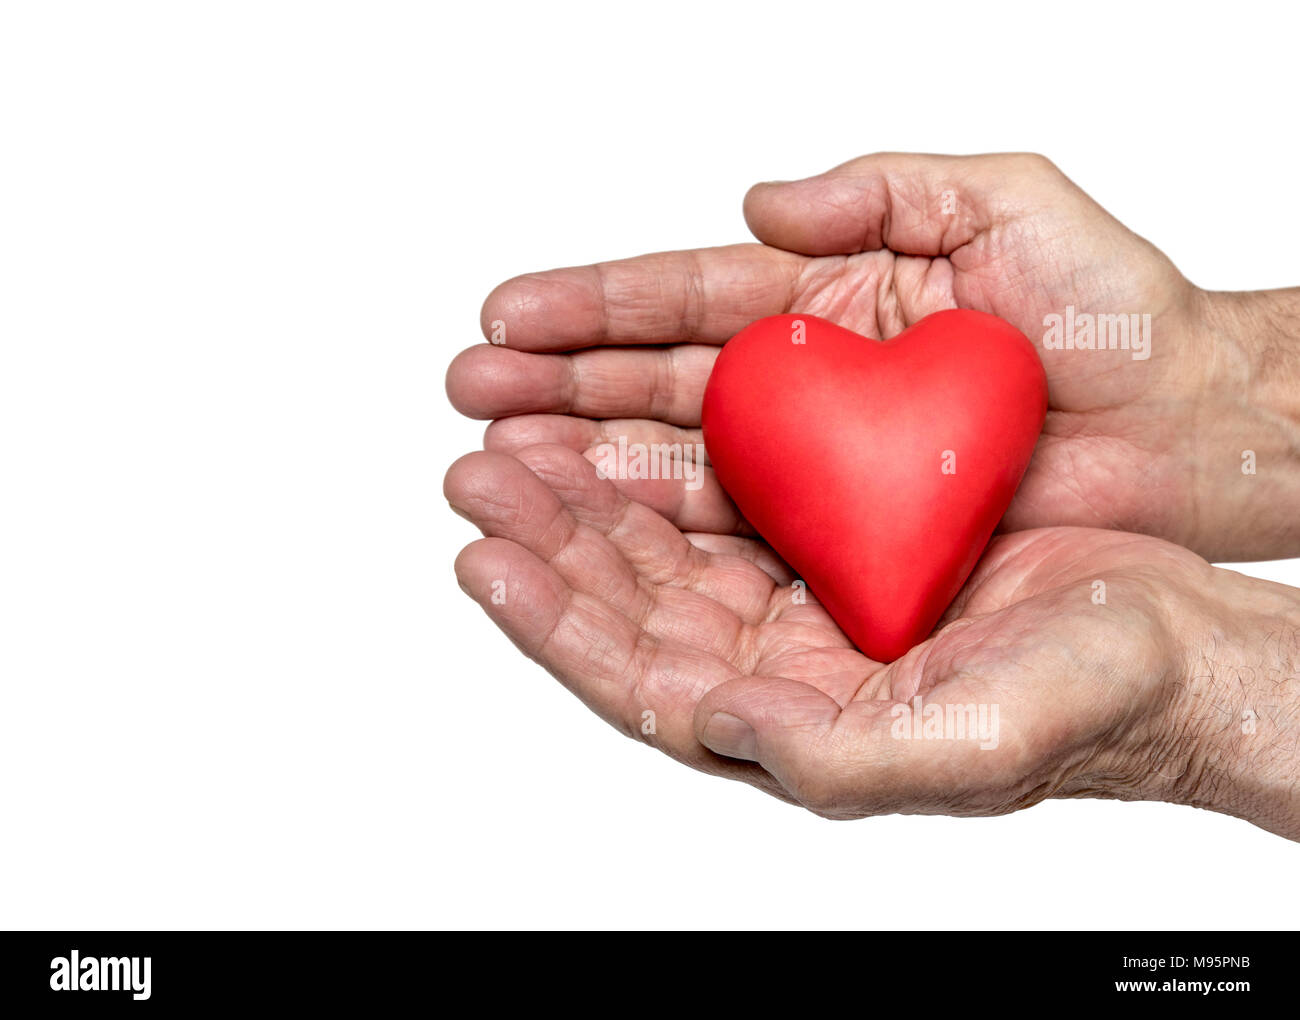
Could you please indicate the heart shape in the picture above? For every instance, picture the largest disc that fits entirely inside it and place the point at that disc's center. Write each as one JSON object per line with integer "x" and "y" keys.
{"x": 878, "y": 471}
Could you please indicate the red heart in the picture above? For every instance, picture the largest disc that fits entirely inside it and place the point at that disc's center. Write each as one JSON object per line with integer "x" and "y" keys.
{"x": 877, "y": 470}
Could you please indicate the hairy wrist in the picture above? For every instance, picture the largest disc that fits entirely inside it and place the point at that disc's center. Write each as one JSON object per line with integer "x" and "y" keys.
{"x": 1235, "y": 712}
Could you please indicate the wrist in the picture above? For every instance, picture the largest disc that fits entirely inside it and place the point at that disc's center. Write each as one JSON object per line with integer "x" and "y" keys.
{"x": 1246, "y": 424}
{"x": 1233, "y": 718}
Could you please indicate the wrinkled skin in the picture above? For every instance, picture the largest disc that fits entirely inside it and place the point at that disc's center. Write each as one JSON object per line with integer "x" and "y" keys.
{"x": 648, "y": 596}
{"x": 632, "y": 615}
{"x": 1151, "y": 446}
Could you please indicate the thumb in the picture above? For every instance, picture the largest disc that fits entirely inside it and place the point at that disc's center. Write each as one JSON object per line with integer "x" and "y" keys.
{"x": 913, "y": 204}
{"x": 852, "y": 761}
{"x": 794, "y": 731}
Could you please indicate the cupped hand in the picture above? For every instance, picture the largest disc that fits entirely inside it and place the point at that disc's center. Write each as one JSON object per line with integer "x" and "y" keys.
{"x": 1070, "y": 641}
{"x": 1148, "y": 445}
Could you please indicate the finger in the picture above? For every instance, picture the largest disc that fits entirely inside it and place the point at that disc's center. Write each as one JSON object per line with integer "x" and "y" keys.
{"x": 686, "y": 494}
{"x": 529, "y": 600}
{"x": 678, "y": 484}
{"x": 777, "y": 723}
{"x": 510, "y": 435}
{"x": 610, "y": 549}
{"x": 551, "y": 502}
{"x": 661, "y": 383}
{"x": 707, "y": 295}
{"x": 914, "y": 204}
{"x": 712, "y": 602}
{"x": 642, "y": 687}
{"x": 661, "y": 555}
{"x": 506, "y": 500}
{"x": 866, "y": 758}
{"x": 758, "y": 553}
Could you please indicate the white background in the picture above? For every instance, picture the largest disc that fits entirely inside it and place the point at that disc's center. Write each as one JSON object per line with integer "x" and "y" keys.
{"x": 239, "y": 243}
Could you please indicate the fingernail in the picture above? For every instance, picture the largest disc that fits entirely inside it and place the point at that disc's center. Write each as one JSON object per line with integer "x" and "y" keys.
{"x": 727, "y": 735}
{"x": 457, "y": 510}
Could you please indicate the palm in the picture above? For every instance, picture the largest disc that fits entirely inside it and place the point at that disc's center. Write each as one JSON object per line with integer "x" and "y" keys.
{"x": 1109, "y": 439}
{"x": 636, "y": 617}
{"x": 1116, "y": 433}
{"x": 655, "y": 602}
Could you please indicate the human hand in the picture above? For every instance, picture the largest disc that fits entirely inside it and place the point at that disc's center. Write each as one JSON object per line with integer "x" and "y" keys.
{"x": 1152, "y": 446}
{"x": 1141, "y": 695}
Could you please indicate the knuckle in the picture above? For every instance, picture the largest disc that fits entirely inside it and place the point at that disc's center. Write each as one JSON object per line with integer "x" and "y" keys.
{"x": 1038, "y": 164}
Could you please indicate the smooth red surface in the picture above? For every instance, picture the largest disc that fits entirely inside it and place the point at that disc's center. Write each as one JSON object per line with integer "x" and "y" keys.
{"x": 833, "y": 450}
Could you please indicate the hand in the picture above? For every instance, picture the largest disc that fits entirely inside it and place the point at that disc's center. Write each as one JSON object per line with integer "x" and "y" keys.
{"x": 699, "y": 645}
{"x": 1153, "y": 446}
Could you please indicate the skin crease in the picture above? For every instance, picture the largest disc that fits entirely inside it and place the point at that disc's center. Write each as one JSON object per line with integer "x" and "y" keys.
{"x": 646, "y": 595}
